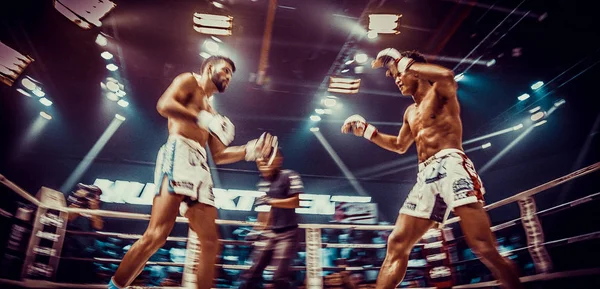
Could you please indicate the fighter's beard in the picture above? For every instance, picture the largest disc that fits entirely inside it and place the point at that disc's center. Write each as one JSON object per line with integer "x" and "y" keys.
{"x": 218, "y": 83}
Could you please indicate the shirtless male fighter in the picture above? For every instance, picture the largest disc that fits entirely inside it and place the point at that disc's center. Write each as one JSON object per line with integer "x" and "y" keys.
{"x": 446, "y": 180}
{"x": 182, "y": 176}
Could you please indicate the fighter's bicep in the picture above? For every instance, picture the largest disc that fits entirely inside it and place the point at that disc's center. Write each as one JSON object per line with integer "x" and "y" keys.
{"x": 445, "y": 89}
{"x": 215, "y": 145}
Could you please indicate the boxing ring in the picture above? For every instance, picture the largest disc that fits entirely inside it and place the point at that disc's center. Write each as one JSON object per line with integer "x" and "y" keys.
{"x": 51, "y": 211}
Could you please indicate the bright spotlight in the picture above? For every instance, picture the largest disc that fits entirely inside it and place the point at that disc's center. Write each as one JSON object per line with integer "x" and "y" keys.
{"x": 559, "y": 102}
{"x": 523, "y": 96}
{"x": 112, "y": 67}
{"x": 537, "y": 85}
{"x": 459, "y": 76}
{"x": 112, "y": 86}
{"x": 372, "y": 34}
{"x": 540, "y": 123}
{"x": 45, "y": 115}
{"x": 538, "y": 115}
{"x": 101, "y": 40}
{"x": 27, "y": 83}
{"x": 106, "y": 55}
{"x": 518, "y": 126}
{"x": 211, "y": 46}
{"x": 315, "y": 118}
{"x": 328, "y": 110}
{"x": 361, "y": 58}
{"x": 120, "y": 93}
{"x": 45, "y": 101}
{"x": 216, "y": 39}
{"x": 486, "y": 145}
{"x": 349, "y": 62}
{"x": 314, "y": 129}
{"x": 218, "y": 5}
{"x": 23, "y": 92}
{"x": 39, "y": 92}
{"x": 329, "y": 102}
{"x": 123, "y": 103}
{"x": 491, "y": 62}
{"x": 204, "y": 55}
{"x": 119, "y": 117}
{"x": 112, "y": 96}
{"x": 320, "y": 111}
{"x": 345, "y": 70}
{"x": 359, "y": 69}
{"x": 534, "y": 109}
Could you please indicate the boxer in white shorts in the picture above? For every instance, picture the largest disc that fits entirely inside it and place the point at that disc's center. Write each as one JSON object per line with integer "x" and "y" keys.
{"x": 182, "y": 176}
{"x": 446, "y": 179}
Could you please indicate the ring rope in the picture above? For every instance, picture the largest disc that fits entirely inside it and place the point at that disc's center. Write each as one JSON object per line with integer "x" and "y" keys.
{"x": 536, "y": 190}
{"x": 136, "y": 216}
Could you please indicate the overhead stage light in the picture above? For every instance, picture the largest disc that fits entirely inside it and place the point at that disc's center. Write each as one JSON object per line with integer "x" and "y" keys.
{"x": 329, "y": 102}
{"x": 84, "y": 13}
{"x": 213, "y": 24}
{"x": 320, "y": 111}
{"x": 459, "y": 76}
{"x": 45, "y": 115}
{"x": 12, "y": 64}
{"x": 211, "y": 46}
{"x": 106, "y": 55}
{"x": 123, "y": 103}
{"x": 518, "y": 126}
{"x": 559, "y": 102}
{"x": 486, "y": 145}
{"x": 315, "y": 118}
{"x": 491, "y": 62}
{"x": 343, "y": 85}
{"x": 112, "y": 96}
{"x": 27, "y": 83}
{"x": 23, "y": 92}
{"x": 112, "y": 67}
{"x": 45, "y": 101}
{"x": 537, "y": 85}
{"x": 540, "y": 122}
{"x": 205, "y": 55}
{"x": 523, "y": 96}
{"x": 39, "y": 92}
{"x": 218, "y": 5}
{"x": 534, "y": 109}
{"x": 538, "y": 115}
{"x": 384, "y": 23}
{"x": 361, "y": 58}
{"x": 372, "y": 34}
{"x": 101, "y": 40}
{"x": 119, "y": 117}
{"x": 314, "y": 129}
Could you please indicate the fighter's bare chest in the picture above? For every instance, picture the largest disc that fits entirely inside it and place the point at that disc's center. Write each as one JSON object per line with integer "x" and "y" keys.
{"x": 424, "y": 114}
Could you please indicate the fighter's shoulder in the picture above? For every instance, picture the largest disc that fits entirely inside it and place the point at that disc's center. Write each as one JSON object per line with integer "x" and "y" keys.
{"x": 185, "y": 79}
{"x": 409, "y": 110}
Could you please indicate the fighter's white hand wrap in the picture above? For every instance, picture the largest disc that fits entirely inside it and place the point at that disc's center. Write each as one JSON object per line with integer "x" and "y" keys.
{"x": 218, "y": 125}
{"x": 388, "y": 55}
{"x": 254, "y": 148}
{"x": 356, "y": 121}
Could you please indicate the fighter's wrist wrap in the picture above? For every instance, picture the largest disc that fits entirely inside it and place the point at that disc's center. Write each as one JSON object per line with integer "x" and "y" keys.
{"x": 370, "y": 132}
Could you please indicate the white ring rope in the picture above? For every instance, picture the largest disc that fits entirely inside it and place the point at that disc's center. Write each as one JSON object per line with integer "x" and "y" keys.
{"x": 533, "y": 191}
{"x": 136, "y": 216}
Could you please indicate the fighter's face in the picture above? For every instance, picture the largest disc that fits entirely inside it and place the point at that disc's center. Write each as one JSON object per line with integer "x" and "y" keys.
{"x": 220, "y": 74}
{"x": 407, "y": 83}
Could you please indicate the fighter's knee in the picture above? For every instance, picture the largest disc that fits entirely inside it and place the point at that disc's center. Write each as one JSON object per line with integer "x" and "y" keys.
{"x": 398, "y": 245}
{"x": 154, "y": 239}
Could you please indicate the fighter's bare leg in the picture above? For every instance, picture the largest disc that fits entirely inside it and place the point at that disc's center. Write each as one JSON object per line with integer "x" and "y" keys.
{"x": 408, "y": 231}
{"x": 202, "y": 221}
{"x": 475, "y": 224}
{"x": 165, "y": 208}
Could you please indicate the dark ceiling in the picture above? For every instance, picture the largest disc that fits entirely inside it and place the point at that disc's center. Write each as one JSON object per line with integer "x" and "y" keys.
{"x": 153, "y": 41}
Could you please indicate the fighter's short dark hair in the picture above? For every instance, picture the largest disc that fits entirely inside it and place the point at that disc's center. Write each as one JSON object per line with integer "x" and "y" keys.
{"x": 415, "y": 55}
{"x": 215, "y": 59}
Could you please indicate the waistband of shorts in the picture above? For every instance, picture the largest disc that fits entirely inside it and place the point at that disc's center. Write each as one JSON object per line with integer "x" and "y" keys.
{"x": 188, "y": 141}
{"x": 438, "y": 155}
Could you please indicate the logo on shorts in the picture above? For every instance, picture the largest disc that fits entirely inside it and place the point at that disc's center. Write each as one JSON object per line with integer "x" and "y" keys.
{"x": 195, "y": 158}
{"x": 410, "y": 206}
{"x": 462, "y": 188}
{"x": 184, "y": 185}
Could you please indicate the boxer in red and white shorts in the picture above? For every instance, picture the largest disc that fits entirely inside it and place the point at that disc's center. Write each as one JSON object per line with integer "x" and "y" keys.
{"x": 446, "y": 180}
